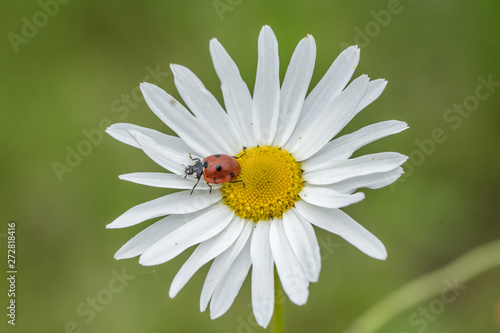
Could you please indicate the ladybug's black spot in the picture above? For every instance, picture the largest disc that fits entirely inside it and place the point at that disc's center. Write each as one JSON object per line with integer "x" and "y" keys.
{"x": 232, "y": 174}
{"x": 218, "y": 167}
{"x": 215, "y": 180}
{"x": 205, "y": 165}
{"x": 216, "y": 156}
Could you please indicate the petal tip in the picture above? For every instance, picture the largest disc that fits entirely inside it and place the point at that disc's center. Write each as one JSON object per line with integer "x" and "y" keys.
{"x": 174, "y": 68}
{"x": 383, "y": 256}
{"x": 268, "y": 31}
{"x": 172, "y": 293}
{"x": 146, "y": 261}
{"x": 353, "y": 48}
{"x": 118, "y": 255}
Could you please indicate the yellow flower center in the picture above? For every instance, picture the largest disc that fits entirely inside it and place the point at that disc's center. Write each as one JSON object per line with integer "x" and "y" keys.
{"x": 273, "y": 180}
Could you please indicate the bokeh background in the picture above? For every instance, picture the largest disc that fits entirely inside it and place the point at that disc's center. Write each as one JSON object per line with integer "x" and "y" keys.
{"x": 68, "y": 72}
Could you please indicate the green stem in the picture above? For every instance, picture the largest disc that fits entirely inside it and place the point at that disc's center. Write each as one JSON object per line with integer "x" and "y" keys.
{"x": 466, "y": 267}
{"x": 278, "y": 320}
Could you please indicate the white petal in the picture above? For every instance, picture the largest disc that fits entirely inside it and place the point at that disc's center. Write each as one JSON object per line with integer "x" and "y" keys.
{"x": 208, "y": 224}
{"x": 375, "y": 89}
{"x": 294, "y": 88}
{"x": 373, "y": 181}
{"x": 266, "y": 95}
{"x": 228, "y": 289}
{"x": 165, "y": 180}
{"x": 333, "y": 82}
{"x": 175, "y": 203}
{"x": 147, "y": 237}
{"x": 313, "y": 132}
{"x": 221, "y": 266}
{"x": 344, "y": 146}
{"x": 262, "y": 274}
{"x": 193, "y": 132}
{"x": 207, "y": 109}
{"x": 237, "y": 98}
{"x": 338, "y": 222}
{"x": 167, "y": 158}
{"x": 364, "y": 165}
{"x": 292, "y": 277}
{"x": 304, "y": 244}
{"x": 329, "y": 198}
{"x": 121, "y": 132}
{"x": 205, "y": 252}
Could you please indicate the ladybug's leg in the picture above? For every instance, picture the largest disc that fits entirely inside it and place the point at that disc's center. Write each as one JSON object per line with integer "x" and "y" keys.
{"x": 194, "y": 186}
{"x": 210, "y": 192}
{"x": 193, "y": 159}
{"x": 238, "y": 181}
{"x": 236, "y": 157}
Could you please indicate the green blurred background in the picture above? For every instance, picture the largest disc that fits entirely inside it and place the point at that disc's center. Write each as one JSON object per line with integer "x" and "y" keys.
{"x": 73, "y": 73}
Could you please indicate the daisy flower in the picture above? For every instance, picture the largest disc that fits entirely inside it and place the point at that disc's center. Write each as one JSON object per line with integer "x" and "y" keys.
{"x": 293, "y": 176}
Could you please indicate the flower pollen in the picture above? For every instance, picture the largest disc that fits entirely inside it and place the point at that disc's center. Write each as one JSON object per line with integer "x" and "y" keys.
{"x": 273, "y": 181}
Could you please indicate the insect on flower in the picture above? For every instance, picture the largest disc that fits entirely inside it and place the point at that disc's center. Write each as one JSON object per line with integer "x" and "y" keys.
{"x": 216, "y": 169}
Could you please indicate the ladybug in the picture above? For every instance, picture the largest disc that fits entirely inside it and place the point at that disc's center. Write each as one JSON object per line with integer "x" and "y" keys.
{"x": 216, "y": 169}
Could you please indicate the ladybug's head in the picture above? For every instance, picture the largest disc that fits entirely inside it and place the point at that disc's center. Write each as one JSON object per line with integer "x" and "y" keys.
{"x": 194, "y": 169}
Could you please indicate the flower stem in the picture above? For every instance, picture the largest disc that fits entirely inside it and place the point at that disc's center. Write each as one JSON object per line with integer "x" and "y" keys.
{"x": 278, "y": 322}
{"x": 464, "y": 268}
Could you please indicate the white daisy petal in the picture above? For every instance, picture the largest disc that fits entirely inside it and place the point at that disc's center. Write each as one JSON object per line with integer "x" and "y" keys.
{"x": 338, "y": 222}
{"x": 207, "y": 109}
{"x": 167, "y": 158}
{"x": 205, "y": 252}
{"x": 312, "y": 133}
{"x": 343, "y": 147}
{"x": 175, "y": 203}
{"x": 333, "y": 82}
{"x": 375, "y": 89}
{"x": 292, "y": 277}
{"x": 228, "y": 289}
{"x": 208, "y": 224}
{"x": 372, "y": 181}
{"x": 364, "y": 165}
{"x": 329, "y": 198}
{"x": 146, "y": 238}
{"x": 293, "y": 91}
{"x": 304, "y": 244}
{"x": 121, "y": 132}
{"x": 165, "y": 180}
{"x": 221, "y": 266}
{"x": 266, "y": 95}
{"x": 192, "y": 131}
{"x": 262, "y": 274}
{"x": 237, "y": 98}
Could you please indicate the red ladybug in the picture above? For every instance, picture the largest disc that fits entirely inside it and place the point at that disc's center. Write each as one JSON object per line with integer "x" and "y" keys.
{"x": 216, "y": 169}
